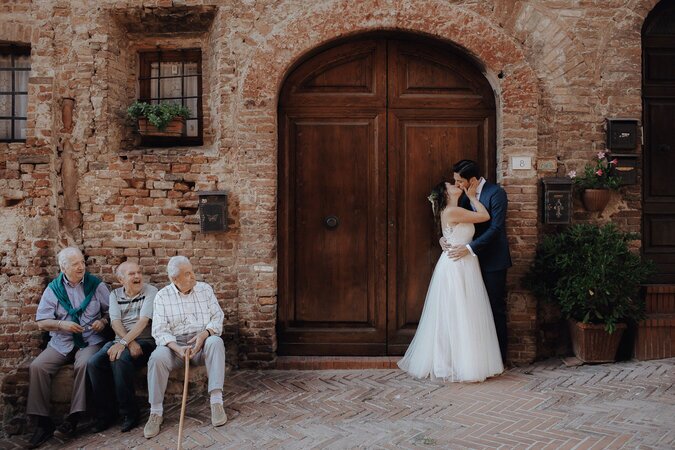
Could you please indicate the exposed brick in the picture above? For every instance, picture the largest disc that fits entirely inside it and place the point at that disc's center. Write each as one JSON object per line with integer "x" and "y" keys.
{"x": 566, "y": 65}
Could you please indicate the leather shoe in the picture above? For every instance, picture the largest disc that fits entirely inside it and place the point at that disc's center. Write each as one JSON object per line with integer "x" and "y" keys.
{"x": 41, "y": 435}
{"x": 129, "y": 422}
{"x": 67, "y": 429}
{"x": 102, "y": 424}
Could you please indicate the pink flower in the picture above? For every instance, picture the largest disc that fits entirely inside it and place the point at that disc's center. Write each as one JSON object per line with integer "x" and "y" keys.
{"x": 599, "y": 172}
{"x": 601, "y": 155}
{"x": 572, "y": 174}
{"x": 614, "y": 161}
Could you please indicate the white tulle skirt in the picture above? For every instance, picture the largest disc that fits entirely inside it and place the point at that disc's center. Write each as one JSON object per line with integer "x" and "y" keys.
{"x": 456, "y": 338}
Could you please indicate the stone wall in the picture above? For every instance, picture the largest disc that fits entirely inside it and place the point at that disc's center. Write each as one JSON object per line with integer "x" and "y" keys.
{"x": 558, "y": 68}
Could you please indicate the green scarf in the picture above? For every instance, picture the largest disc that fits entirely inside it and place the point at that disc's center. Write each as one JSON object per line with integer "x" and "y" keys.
{"x": 90, "y": 284}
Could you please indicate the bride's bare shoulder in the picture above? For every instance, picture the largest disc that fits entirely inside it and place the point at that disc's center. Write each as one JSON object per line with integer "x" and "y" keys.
{"x": 449, "y": 216}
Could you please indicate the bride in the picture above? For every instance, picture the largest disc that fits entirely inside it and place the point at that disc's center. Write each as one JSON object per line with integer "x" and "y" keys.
{"x": 456, "y": 338}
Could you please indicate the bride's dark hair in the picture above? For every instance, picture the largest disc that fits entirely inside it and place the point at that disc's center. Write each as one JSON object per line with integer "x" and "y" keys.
{"x": 439, "y": 201}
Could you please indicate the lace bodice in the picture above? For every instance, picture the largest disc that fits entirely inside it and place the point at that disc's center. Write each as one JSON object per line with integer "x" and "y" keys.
{"x": 459, "y": 234}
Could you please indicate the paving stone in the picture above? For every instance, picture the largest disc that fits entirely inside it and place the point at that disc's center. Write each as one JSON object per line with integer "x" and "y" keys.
{"x": 545, "y": 406}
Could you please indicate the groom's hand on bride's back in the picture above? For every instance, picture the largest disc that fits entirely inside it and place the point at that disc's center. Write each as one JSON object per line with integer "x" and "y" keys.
{"x": 457, "y": 252}
{"x": 444, "y": 244}
{"x": 453, "y": 251}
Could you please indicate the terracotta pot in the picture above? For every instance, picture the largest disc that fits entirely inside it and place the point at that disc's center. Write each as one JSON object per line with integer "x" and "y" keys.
{"x": 592, "y": 344}
{"x": 173, "y": 128}
{"x": 595, "y": 199}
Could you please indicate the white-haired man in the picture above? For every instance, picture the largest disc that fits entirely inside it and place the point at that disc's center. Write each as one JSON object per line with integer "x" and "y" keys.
{"x": 112, "y": 370}
{"x": 187, "y": 319}
{"x": 72, "y": 309}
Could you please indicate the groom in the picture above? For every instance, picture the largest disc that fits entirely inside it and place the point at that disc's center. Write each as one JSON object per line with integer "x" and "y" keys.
{"x": 489, "y": 242}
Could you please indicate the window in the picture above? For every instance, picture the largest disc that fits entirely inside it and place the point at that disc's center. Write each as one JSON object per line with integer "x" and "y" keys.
{"x": 174, "y": 76}
{"x": 14, "y": 72}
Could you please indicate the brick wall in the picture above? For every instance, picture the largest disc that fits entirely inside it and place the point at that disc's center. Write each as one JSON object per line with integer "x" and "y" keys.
{"x": 558, "y": 69}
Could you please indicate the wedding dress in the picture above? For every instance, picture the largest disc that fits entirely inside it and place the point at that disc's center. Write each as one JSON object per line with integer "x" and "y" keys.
{"x": 456, "y": 338}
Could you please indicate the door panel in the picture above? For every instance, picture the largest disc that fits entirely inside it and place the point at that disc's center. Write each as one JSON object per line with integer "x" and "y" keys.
{"x": 424, "y": 76}
{"x": 659, "y": 196}
{"x": 423, "y": 146}
{"x": 660, "y": 115}
{"x": 333, "y": 261}
{"x": 333, "y": 271}
{"x": 348, "y": 75}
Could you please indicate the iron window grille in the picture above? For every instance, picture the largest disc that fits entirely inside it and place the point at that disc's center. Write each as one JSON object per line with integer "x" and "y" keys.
{"x": 174, "y": 76}
{"x": 14, "y": 74}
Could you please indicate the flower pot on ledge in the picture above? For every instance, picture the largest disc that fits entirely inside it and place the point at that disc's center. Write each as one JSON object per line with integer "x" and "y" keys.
{"x": 595, "y": 199}
{"x": 592, "y": 344}
{"x": 173, "y": 129}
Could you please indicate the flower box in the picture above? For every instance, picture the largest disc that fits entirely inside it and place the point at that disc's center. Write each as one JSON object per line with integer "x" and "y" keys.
{"x": 173, "y": 129}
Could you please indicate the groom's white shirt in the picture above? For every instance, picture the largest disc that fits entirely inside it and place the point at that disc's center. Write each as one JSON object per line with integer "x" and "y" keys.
{"x": 479, "y": 189}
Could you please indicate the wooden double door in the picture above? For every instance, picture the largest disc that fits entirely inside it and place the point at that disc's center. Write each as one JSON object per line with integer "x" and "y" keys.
{"x": 367, "y": 128}
{"x": 658, "y": 91}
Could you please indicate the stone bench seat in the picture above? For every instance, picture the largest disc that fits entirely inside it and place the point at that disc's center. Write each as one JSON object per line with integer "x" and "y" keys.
{"x": 62, "y": 387}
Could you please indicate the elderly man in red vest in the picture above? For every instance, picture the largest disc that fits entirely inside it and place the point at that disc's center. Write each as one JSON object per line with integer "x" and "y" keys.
{"x": 73, "y": 310}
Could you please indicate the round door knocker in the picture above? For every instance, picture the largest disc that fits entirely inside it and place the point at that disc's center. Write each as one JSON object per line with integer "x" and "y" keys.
{"x": 331, "y": 222}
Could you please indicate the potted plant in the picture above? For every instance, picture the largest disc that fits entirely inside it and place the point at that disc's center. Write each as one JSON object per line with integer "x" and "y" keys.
{"x": 590, "y": 272}
{"x": 596, "y": 182}
{"x": 158, "y": 119}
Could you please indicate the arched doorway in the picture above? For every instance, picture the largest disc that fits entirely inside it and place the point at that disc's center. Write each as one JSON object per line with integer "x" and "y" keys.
{"x": 658, "y": 91}
{"x": 366, "y": 128}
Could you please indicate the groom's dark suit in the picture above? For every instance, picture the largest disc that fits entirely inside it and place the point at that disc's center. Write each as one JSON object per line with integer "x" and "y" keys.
{"x": 492, "y": 248}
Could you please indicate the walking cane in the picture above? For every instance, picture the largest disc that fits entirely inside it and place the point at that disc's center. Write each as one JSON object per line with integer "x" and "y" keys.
{"x": 182, "y": 406}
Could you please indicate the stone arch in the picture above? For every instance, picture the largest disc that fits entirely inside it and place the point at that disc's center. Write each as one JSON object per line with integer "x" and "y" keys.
{"x": 517, "y": 92}
{"x": 554, "y": 53}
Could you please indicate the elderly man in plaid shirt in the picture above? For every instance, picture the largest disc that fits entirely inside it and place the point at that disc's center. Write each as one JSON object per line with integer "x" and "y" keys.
{"x": 187, "y": 319}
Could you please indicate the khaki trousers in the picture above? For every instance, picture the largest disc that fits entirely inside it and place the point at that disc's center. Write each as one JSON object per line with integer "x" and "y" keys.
{"x": 45, "y": 366}
{"x": 163, "y": 360}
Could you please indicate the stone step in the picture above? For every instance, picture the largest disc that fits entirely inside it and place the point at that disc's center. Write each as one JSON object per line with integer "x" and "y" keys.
{"x": 335, "y": 362}
{"x": 655, "y": 337}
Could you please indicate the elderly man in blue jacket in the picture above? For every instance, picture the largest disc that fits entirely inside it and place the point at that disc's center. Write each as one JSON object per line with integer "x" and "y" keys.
{"x": 73, "y": 309}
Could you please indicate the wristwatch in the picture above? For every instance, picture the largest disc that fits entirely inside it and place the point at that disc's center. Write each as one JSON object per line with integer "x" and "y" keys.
{"x": 123, "y": 342}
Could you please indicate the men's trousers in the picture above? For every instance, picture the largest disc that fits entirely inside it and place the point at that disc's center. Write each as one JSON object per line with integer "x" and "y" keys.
{"x": 114, "y": 381}
{"x": 495, "y": 284}
{"x": 45, "y": 366}
{"x": 163, "y": 360}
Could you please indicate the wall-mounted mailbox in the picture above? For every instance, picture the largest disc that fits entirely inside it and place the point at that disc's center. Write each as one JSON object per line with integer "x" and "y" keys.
{"x": 212, "y": 211}
{"x": 626, "y": 167}
{"x": 622, "y": 134}
{"x": 557, "y": 200}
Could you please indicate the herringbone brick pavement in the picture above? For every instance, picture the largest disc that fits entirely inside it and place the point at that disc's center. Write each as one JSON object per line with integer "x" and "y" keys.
{"x": 543, "y": 406}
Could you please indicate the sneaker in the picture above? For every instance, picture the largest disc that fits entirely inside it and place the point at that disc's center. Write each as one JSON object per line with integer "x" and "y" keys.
{"x": 67, "y": 429}
{"x": 129, "y": 422}
{"x": 41, "y": 435}
{"x": 152, "y": 427}
{"x": 218, "y": 416}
